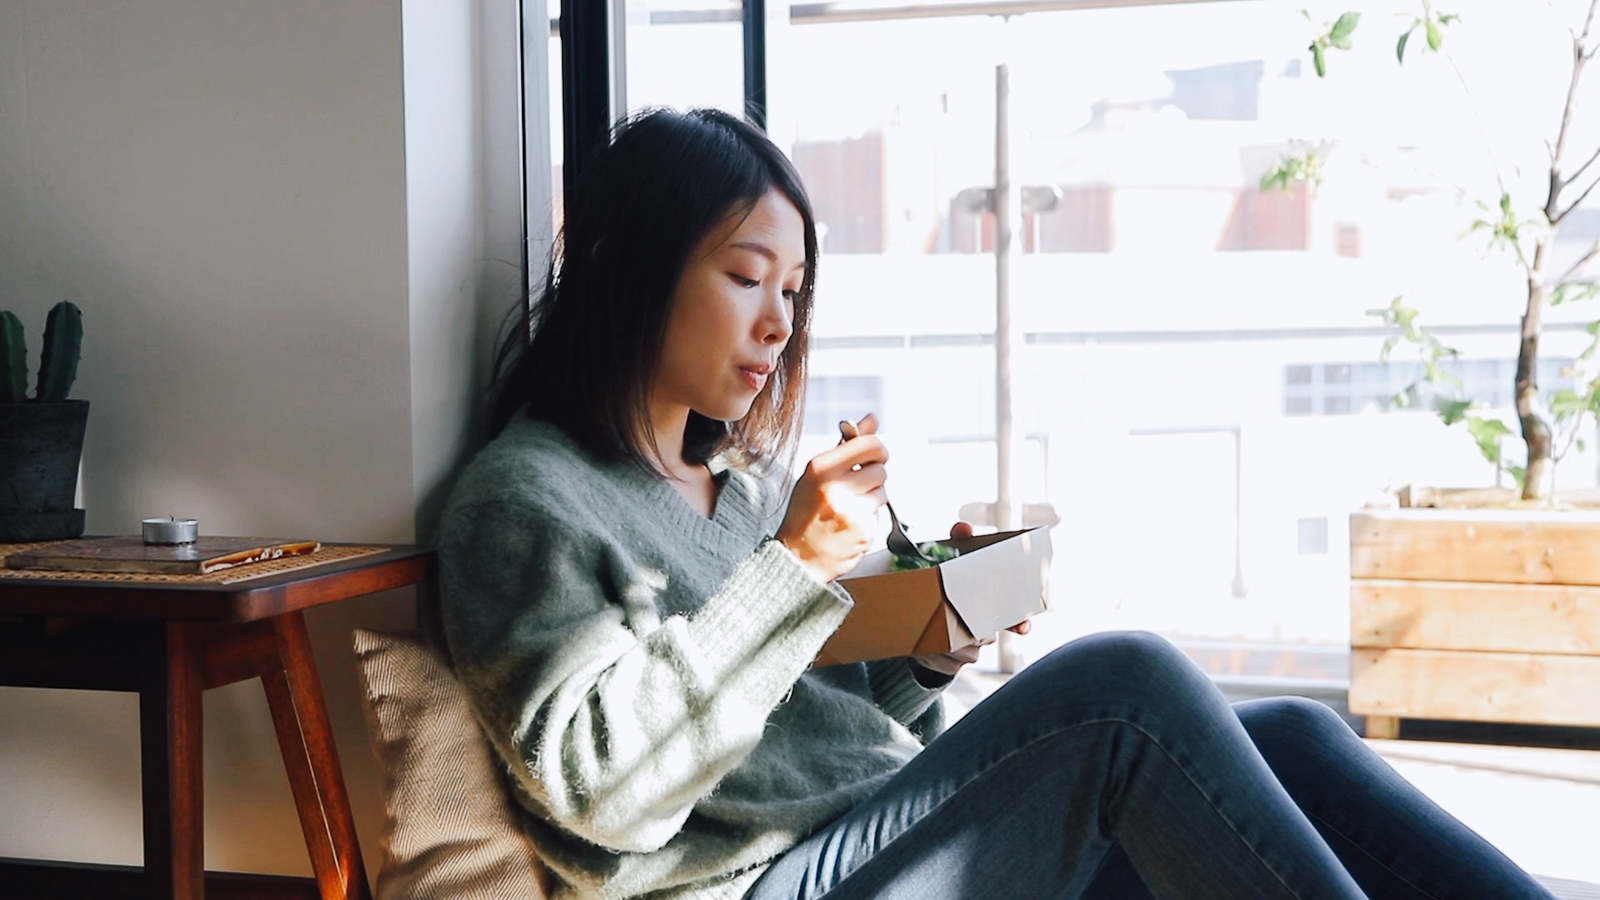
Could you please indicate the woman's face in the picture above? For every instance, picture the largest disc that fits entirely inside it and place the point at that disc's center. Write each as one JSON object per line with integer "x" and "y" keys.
{"x": 732, "y": 312}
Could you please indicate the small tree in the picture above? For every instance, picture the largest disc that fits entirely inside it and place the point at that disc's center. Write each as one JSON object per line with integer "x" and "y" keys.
{"x": 1547, "y": 431}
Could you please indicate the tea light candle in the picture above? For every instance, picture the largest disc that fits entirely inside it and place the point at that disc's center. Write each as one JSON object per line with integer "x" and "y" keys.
{"x": 171, "y": 530}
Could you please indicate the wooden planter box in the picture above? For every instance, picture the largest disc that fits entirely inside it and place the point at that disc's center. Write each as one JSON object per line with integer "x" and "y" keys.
{"x": 1475, "y": 614}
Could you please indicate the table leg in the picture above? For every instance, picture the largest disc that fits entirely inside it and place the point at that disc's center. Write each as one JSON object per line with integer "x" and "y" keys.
{"x": 170, "y": 760}
{"x": 300, "y": 717}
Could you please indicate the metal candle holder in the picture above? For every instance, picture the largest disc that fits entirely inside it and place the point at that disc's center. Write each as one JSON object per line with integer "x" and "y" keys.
{"x": 171, "y": 530}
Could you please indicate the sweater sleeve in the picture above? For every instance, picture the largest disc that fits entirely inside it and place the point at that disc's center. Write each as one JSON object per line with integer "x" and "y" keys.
{"x": 897, "y": 691}
{"x": 615, "y": 720}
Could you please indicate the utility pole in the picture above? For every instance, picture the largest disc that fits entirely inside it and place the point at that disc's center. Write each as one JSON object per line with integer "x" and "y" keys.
{"x": 1007, "y": 226}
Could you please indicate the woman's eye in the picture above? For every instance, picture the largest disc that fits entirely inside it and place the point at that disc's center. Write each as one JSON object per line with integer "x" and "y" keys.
{"x": 744, "y": 282}
{"x": 792, "y": 296}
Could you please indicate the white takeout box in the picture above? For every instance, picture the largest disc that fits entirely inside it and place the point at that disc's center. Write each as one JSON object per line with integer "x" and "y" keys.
{"x": 998, "y": 581}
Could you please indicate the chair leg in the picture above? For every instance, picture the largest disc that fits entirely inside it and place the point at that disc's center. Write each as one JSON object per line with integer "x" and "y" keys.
{"x": 305, "y": 736}
{"x": 171, "y": 763}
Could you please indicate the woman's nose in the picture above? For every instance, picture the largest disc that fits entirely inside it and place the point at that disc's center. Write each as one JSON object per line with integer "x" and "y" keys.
{"x": 777, "y": 323}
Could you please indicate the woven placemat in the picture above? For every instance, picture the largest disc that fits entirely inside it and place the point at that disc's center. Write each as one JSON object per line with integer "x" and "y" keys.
{"x": 226, "y": 576}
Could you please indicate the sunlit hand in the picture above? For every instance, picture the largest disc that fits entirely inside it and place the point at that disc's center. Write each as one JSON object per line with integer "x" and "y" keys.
{"x": 833, "y": 511}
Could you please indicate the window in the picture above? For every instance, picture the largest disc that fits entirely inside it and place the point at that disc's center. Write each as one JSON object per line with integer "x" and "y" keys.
{"x": 1313, "y": 534}
{"x": 1333, "y": 389}
{"x": 1196, "y": 349}
{"x": 834, "y": 399}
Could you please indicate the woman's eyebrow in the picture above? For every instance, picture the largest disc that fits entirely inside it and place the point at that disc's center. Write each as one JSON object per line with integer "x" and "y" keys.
{"x": 762, "y": 249}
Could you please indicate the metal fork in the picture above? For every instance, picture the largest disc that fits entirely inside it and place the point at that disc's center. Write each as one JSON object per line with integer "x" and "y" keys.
{"x": 899, "y": 544}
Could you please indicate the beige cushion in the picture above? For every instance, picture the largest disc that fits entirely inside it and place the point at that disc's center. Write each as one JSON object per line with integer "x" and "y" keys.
{"x": 451, "y": 829}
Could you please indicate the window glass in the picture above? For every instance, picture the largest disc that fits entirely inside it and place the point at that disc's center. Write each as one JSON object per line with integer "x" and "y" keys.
{"x": 685, "y": 53}
{"x": 553, "y": 114}
{"x": 1200, "y": 385}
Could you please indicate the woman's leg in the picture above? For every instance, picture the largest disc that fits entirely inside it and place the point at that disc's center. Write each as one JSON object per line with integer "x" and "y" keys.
{"x": 1114, "y": 738}
{"x": 1398, "y": 844}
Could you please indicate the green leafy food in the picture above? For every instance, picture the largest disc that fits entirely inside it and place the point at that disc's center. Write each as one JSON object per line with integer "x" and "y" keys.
{"x": 933, "y": 550}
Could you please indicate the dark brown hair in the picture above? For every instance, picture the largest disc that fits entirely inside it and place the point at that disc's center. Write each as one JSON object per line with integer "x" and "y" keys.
{"x": 584, "y": 353}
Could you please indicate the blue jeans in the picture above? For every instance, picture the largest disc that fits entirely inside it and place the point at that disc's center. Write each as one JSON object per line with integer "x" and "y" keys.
{"x": 1114, "y": 770}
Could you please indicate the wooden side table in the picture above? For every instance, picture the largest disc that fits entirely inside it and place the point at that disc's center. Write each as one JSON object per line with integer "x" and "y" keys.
{"x": 169, "y": 639}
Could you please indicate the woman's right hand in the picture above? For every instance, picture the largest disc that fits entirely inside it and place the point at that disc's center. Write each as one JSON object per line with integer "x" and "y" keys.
{"x": 833, "y": 511}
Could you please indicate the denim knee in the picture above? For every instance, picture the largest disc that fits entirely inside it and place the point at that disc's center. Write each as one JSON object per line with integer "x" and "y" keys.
{"x": 1137, "y": 666}
{"x": 1291, "y": 718}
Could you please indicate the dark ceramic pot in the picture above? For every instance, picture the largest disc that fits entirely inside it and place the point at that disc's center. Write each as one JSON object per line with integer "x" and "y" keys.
{"x": 40, "y": 446}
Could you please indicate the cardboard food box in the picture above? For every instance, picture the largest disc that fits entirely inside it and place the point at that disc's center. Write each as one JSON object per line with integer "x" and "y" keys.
{"x": 997, "y": 581}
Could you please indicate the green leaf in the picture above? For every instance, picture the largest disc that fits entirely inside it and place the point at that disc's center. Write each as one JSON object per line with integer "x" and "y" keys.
{"x": 1388, "y": 347}
{"x": 1582, "y": 445}
{"x": 1341, "y": 29}
{"x": 1574, "y": 291}
{"x": 1400, "y": 48}
{"x": 1435, "y": 38}
{"x": 1565, "y": 404}
{"x": 1317, "y": 61}
{"x": 1451, "y": 411}
{"x": 1436, "y": 375}
{"x": 1487, "y": 433}
{"x": 1521, "y": 476}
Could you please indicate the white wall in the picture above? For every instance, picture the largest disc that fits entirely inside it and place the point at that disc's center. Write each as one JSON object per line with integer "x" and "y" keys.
{"x": 280, "y": 220}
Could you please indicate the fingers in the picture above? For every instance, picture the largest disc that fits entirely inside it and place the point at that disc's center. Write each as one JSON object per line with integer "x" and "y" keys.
{"x": 1022, "y": 627}
{"x": 859, "y": 493}
{"x": 866, "y": 479}
{"x": 857, "y": 451}
{"x": 961, "y": 531}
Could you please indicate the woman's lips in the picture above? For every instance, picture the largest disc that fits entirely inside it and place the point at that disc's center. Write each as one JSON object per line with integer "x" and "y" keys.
{"x": 755, "y": 376}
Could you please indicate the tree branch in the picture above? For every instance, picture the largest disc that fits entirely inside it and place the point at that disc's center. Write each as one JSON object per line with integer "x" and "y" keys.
{"x": 1574, "y": 205}
{"x": 1578, "y": 266}
{"x": 1583, "y": 168}
{"x": 1579, "y": 57}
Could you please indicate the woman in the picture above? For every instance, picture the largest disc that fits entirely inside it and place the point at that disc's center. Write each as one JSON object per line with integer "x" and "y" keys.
{"x": 633, "y": 600}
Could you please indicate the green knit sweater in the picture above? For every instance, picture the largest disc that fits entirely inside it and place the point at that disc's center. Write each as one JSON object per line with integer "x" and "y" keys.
{"x": 645, "y": 673}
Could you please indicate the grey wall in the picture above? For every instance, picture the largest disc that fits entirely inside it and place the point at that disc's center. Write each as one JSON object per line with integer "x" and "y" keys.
{"x": 287, "y": 225}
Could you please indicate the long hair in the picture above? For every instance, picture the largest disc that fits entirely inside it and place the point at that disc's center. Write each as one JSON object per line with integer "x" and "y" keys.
{"x": 584, "y": 353}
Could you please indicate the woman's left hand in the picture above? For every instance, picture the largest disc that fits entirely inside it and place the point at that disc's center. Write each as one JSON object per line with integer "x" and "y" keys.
{"x": 951, "y": 663}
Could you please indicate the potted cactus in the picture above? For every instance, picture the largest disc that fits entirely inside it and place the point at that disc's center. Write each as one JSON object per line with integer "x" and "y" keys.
{"x": 41, "y": 437}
